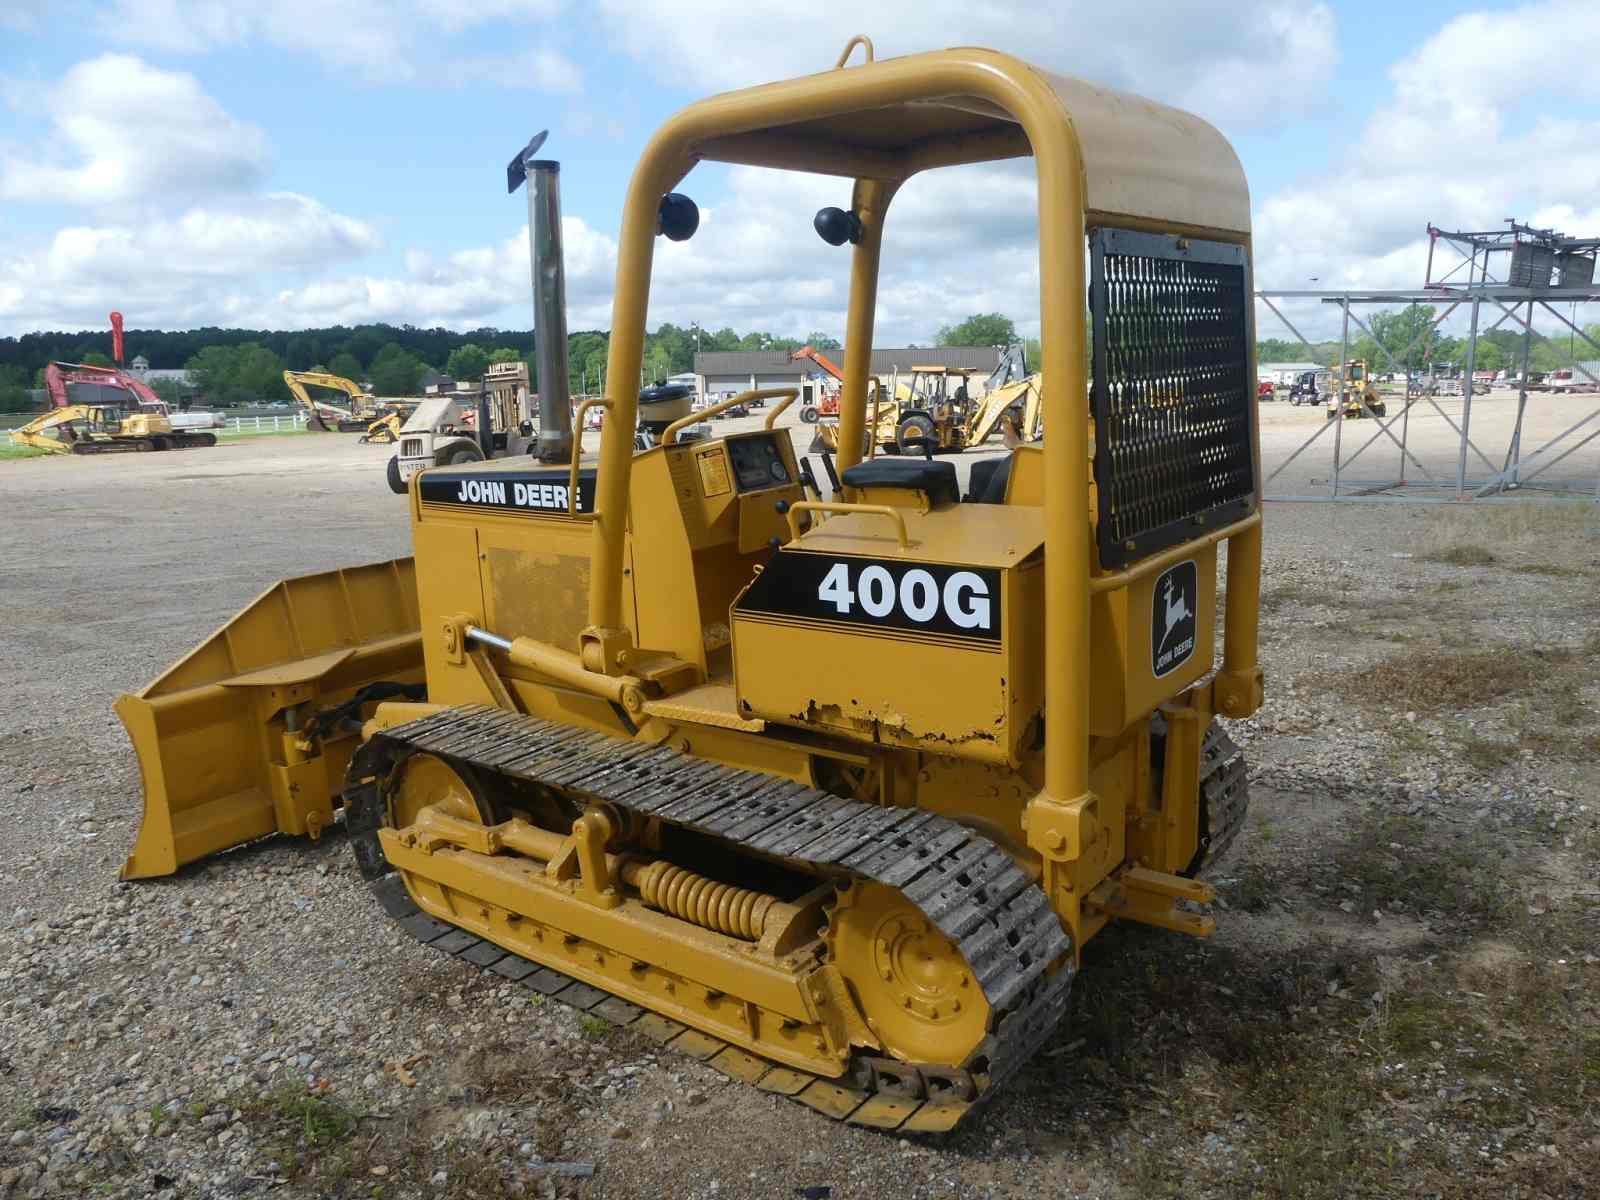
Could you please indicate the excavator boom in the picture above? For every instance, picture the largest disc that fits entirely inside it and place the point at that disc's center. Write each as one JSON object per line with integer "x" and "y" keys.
{"x": 356, "y": 415}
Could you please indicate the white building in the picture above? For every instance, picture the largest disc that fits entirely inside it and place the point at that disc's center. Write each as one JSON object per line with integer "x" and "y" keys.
{"x": 1283, "y": 374}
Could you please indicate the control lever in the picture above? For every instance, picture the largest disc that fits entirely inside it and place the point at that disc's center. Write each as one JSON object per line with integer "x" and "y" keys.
{"x": 809, "y": 480}
{"x": 833, "y": 476}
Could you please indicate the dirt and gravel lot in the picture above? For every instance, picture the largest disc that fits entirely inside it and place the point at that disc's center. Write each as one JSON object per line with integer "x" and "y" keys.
{"x": 1401, "y": 999}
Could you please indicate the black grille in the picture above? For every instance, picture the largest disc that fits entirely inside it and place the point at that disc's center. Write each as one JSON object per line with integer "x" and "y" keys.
{"x": 1172, "y": 393}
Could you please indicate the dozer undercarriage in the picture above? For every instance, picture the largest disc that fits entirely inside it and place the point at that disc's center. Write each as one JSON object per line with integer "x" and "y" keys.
{"x": 831, "y": 794}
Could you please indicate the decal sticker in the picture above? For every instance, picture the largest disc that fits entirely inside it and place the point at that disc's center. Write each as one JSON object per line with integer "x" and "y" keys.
{"x": 1172, "y": 619}
{"x": 533, "y": 492}
{"x": 714, "y": 479}
{"x": 889, "y": 593}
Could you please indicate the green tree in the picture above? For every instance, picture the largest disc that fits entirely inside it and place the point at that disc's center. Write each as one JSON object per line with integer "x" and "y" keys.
{"x": 14, "y": 390}
{"x": 347, "y": 365}
{"x": 300, "y": 353}
{"x": 505, "y": 354}
{"x": 258, "y": 373}
{"x": 212, "y": 371}
{"x": 395, "y": 371}
{"x": 95, "y": 359}
{"x": 1490, "y": 357}
{"x": 467, "y": 363}
{"x": 657, "y": 364}
{"x": 980, "y": 329}
{"x": 823, "y": 341}
{"x": 1397, "y": 331}
{"x": 174, "y": 391}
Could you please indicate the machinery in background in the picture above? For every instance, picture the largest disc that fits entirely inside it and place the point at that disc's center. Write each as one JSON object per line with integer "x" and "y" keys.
{"x": 936, "y": 416}
{"x": 828, "y": 794}
{"x": 1308, "y": 388}
{"x": 101, "y": 428}
{"x": 498, "y": 420}
{"x": 99, "y": 409}
{"x": 1351, "y": 388}
{"x": 112, "y": 387}
{"x": 361, "y": 413}
{"x": 828, "y": 405}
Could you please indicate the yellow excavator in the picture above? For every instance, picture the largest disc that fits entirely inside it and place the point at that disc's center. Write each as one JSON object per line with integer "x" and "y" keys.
{"x": 829, "y": 794}
{"x": 376, "y": 420}
{"x": 102, "y": 428}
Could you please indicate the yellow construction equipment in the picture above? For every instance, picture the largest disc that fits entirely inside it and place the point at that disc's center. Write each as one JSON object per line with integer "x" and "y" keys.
{"x": 1350, "y": 387}
{"x": 360, "y": 413}
{"x": 102, "y": 428}
{"x": 935, "y": 412}
{"x": 830, "y": 794}
{"x": 449, "y": 429}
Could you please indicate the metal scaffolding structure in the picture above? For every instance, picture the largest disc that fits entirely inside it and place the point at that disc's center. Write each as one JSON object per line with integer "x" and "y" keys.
{"x": 1570, "y": 259}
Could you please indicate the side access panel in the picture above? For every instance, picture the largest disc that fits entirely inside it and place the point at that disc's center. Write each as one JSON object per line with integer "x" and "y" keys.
{"x": 219, "y": 763}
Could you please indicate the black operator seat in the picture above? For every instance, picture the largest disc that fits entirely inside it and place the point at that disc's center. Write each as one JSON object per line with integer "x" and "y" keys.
{"x": 936, "y": 478}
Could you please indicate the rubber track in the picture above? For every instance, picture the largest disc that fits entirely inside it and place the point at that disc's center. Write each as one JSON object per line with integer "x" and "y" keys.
{"x": 969, "y": 888}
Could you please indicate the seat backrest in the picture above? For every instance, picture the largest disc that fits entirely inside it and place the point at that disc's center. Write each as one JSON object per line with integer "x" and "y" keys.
{"x": 935, "y": 477}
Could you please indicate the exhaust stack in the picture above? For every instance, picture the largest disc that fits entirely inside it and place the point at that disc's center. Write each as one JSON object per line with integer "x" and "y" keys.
{"x": 543, "y": 177}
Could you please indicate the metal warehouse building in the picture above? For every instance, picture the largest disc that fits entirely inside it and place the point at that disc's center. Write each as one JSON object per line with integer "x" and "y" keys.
{"x": 735, "y": 370}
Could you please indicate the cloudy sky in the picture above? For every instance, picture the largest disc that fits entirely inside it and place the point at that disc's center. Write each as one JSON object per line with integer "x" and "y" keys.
{"x": 290, "y": 163}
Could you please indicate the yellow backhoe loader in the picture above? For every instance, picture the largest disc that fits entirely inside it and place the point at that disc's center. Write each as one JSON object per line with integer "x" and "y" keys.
{"x": 100, "y": 429}
{"x": 829, "y": 794}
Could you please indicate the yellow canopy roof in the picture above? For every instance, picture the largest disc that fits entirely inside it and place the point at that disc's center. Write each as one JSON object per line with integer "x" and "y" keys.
{"x": 1141, "y": 159}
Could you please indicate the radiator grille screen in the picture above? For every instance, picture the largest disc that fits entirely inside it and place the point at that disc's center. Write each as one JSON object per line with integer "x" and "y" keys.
{"x": 1172, "y": 394}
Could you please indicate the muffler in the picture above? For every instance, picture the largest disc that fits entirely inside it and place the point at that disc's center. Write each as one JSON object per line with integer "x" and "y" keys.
{"x": 548, "y": 267}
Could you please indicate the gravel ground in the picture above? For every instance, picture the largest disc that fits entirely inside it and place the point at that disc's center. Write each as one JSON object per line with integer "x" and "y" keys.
{"x": 1400, "y": 999}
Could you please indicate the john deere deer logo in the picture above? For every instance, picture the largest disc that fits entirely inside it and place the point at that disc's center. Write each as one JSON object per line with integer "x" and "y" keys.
{"x": 1178, "y": 610}
{"x": 1172, "y": 619}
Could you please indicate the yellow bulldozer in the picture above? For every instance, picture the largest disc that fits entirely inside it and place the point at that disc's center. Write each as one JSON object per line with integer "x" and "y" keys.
{"x": 830, "y": 794}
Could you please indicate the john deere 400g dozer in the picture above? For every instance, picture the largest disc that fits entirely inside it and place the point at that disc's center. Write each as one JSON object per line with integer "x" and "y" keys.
{"x": 829, "y": 793}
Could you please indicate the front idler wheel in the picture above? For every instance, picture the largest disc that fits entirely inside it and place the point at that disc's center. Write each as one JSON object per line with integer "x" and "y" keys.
{"x": 915, "y": 990}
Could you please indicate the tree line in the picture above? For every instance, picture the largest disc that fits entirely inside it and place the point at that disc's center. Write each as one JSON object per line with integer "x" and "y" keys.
{"x": 236, "y": 366}
{"x": 1403, "y": 334}
{"x": 246, "y": 365}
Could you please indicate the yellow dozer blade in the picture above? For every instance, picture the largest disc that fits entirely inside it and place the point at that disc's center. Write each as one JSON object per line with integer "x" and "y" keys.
{"x": 250, "y": 733}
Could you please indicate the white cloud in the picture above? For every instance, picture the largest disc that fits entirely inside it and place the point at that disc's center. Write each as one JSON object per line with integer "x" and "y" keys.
{"x": 1244, "y": 63}
{"x": 959, "y": 242}
{"x": 382, "y": 40}
{"x": 177, "y": 229}
{"x": 122, "y": 130}
{"x": 1454, "y": 144}
{"x": 201, "y": 267}
{"x": 540, "y": 69}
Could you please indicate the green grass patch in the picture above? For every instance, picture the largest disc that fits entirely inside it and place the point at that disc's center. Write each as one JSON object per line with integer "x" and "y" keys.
{"x": 234, "y": 435}
{"x": 1549, "y": 569}
{"x": 309, "y": 1135}
{"x": 10, "y": 450}
{"x": 1437, "y": 680}
{"x": 1463, "y": 555}
{"x": 1291, "y": 595}
{"x": 1409, "y": 864}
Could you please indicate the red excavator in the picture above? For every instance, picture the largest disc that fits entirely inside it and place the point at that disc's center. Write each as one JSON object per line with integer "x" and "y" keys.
{"x": 828, "y": 406}
{"x": 186, "y": 429}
